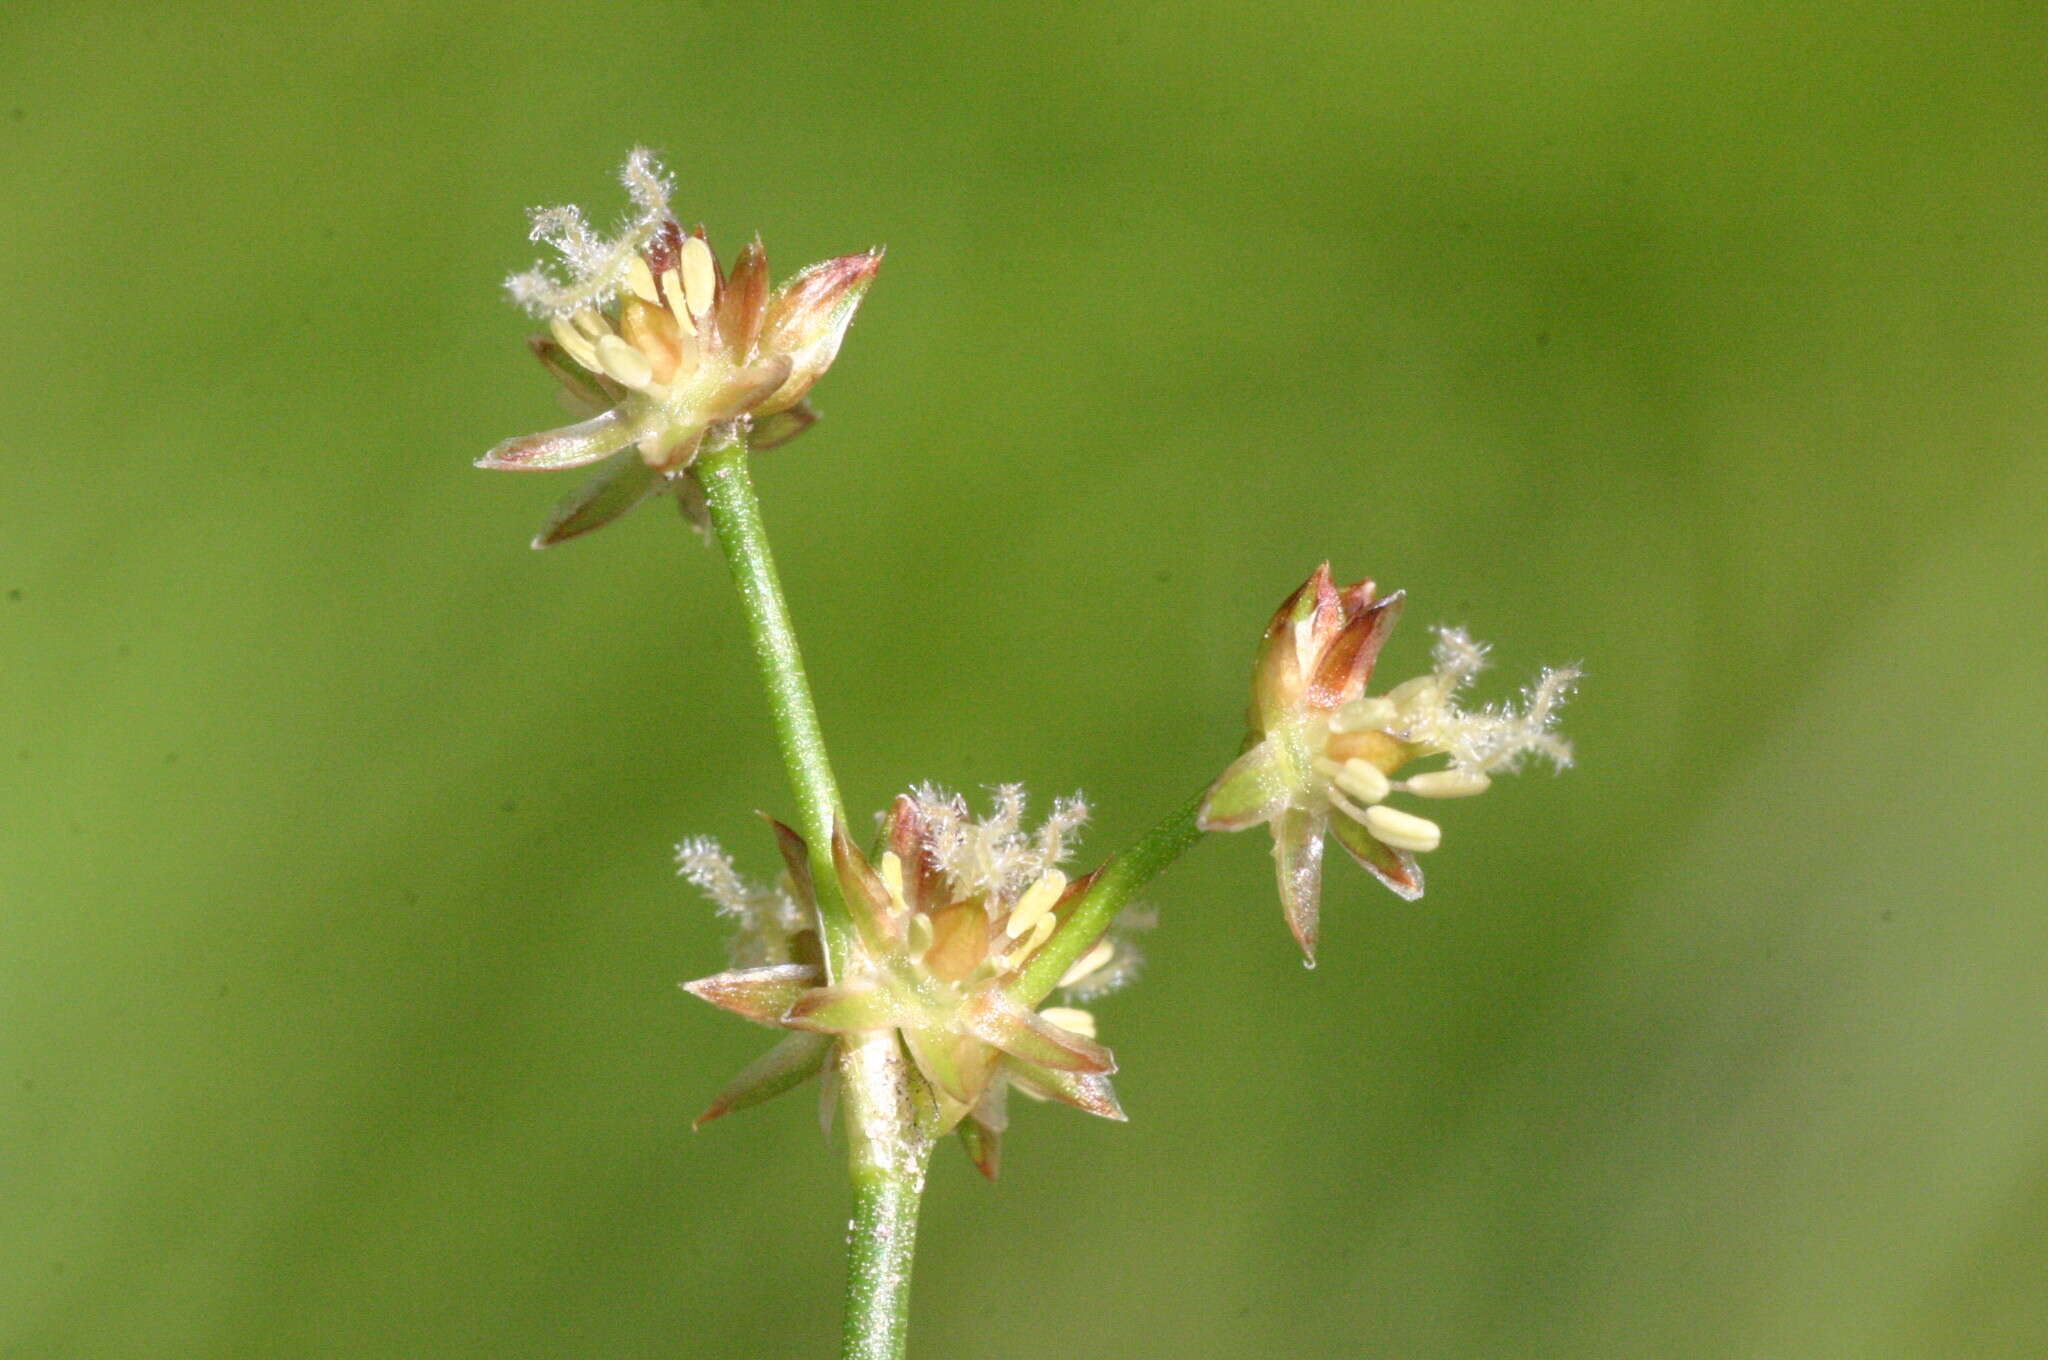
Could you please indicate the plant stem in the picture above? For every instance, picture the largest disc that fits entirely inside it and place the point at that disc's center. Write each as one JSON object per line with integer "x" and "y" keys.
{"x": 1114, "y": 886}
{"x": 889, "y": 1152}
{"x": 890, "y": 1156}
{"x": 736, "y": 520}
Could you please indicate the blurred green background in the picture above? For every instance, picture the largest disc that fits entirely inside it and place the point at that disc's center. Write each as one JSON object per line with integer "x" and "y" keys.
{"x": 339, "y": 936}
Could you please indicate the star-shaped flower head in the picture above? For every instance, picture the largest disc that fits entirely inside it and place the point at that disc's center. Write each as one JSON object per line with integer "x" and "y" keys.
{"x": 1322, "y": 755}
{"x": 667, "y": 352}
{"x": 947, "y": 914}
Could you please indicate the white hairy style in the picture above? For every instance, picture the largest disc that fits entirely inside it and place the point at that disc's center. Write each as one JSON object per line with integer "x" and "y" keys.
{"x": 1496, "y": 737}
{"x": 598, "y": 268}
{"x": 766, "y": 915}
{"x": 994, "y": 855}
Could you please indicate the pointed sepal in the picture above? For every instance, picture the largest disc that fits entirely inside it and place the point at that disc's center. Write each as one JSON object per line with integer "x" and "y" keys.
{"x": 1298, "y": 862}
{"x": 1346, "y": 661}
{"x": 571, "y": 446}
{"x": 998, "y": 1019}
{"x": 1090, "y": 1091}
{"x": 743, "y": 302}
{"x": 958, "y": 1068}
{"x": 608, "y": 493}
{"x": 807, "y": 319}
{"x": 981, "y": 1132}
{"x": 875, "y": 913}
{"x": 852, "y": 1009}
{"x": 762, "y": 995}
{"x": 796, "y": 859}
{"x": 784, "y": 1067}
{"x": 1252, "y": 790}
{"x": 773, "y": 431}
{"x": 1395, "y": 868}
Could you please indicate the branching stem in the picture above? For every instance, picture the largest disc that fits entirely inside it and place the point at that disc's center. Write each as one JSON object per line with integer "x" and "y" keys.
{"x": 1112, "y": 890}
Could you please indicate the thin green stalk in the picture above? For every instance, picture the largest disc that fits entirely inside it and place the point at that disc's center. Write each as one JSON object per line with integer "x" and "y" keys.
{"x": 880, "y": 1247}
{"x": 888, "y": 1152}
{"x": 736, "y": 520}
{"x": 1112, "y": 890}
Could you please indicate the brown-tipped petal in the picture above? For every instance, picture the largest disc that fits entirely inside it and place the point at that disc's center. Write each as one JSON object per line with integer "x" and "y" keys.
{"x": 746, "y": 388}
{"x": 959, "y": 940}
{"x": 808, "y": 317}
{"x": 852, "y": 1009}
{"x": 787, "y": 1065}
{"x": 875, "y": 914}
{"x": 611, "y": 491}
{"x": 762, "y": 995}
{"x": 904, "y": 830}
{"x": 808, "y": 306}
{"x": 1329, "y": 606}
{"x": 588, "y": 392}
{"x": 1298, "y": 860}
{"x": 1276, "y": 678}
{"x": 1252, "y": 790}
{"x": 1346, "y": 664}
{"x": 772, "y": 432}
{"x": 1083, "y": 1090}
{"x": 981, "y": 1132}
{"x": 995, "y": 1018}
{"x": 571, "y": 446}
{"x": 743, "y": 305}
{"x": 796, "y": 857}
{"x": 1395, "y": 868}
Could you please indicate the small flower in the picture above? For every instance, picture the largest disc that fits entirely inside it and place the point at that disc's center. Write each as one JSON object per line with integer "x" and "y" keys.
{"x": 1322, "y": 756}
{"x": 666, "y": 352}
{"x": 947, "y": 915}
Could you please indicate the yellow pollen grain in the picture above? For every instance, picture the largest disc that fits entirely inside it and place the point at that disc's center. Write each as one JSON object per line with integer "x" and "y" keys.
{"x": 700, "y": 276}
{"x": 624, "y": 363}
{"x": 672, "y": 290}
{"x": 1363, "y": 715}
{"x": 1071, "y": 1019}
{"x": 1447, "y": 784}
{"x": 641, "y": 279}
{"x": 572, "y": 341}
{"x": 1363, "y": 780}
{"x": 1403, "y": 830}
{"x": 1040, "y": 933}
{"x": 891, "y": 870}
{"x": 1089, "y": 963}
{"x": 1036, "y": 904}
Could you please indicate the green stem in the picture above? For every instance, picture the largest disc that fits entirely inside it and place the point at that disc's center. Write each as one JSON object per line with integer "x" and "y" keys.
{"x": 880, "y": 1246}
{"x": 736, "y": 520}
{"x": 1114, "y": 886}
{"x": 889, "y": 1153}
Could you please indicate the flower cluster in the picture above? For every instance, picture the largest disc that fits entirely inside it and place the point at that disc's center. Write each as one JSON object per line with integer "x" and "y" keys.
{"x": 947, "y": 915}
{"x": 1322, "y": 756}
{"x": 666, "y": 352}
